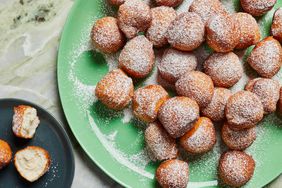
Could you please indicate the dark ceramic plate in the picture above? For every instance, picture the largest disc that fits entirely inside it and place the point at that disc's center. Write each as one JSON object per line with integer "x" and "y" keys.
{"x": 49, "y": 135}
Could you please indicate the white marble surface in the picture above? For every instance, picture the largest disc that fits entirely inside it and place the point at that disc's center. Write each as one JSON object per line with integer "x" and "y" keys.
{"x": 29, "y": 38}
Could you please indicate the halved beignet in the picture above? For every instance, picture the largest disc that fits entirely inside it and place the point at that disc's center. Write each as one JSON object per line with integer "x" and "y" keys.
{"x": 25, "y": 121}
{"x": 32, "y": 162}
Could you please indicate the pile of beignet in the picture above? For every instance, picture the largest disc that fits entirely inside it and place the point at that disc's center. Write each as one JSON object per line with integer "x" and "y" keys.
{"x": 202, "y": 96}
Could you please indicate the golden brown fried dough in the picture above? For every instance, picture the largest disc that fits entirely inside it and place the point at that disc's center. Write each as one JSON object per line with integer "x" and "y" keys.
{"x": 173, "y": 173}
{"x": 243, "y": 110}
{"x": 235, "y": 168}
{"x": 106, "y": 35}
{"x": 115, "y": 90}
{"x": 222, "y": 33}
{"x": 207, "y": 9}
{"x": 134, "y": 16}
{"x": 147, "y": 102}
{"x": 159, "y": 143}
{"x": 266, "y": 57}
{"x": 5, "y": 154}
{"x": 169, "y": 3}
{"x": 248, "y": 28}
{"x": 196, "y": 85}
{"x": 225, "y": 69}
{"x": 161, "y": 19}
{"x": 268, "y": 92}
{"x": 238, "y": 140}
{"x": 201, "y": 138}
{"x": 257, "y": 7}
{"x": 276, "y": 27}
{"x": 178, "y": 114}
{"x": 186, "y": 32}
{"x": 215, "y": 109}
{"x": 137, "y": 58}
{"x": 175, "y": 63}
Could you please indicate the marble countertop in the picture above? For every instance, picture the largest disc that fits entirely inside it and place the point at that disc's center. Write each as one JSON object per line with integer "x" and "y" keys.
{"x": 30, "y": 32}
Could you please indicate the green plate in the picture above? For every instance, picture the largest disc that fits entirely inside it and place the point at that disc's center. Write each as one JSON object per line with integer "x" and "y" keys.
{"x": 114, "y": 140}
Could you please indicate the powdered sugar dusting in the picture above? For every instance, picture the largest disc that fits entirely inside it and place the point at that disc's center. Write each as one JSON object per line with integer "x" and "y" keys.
{"x": 207, "y": 8}
{"x": 186, "y": 32}
{"x": 203, "y": 138}
{"x": 276, "y": 27}
{"x": 137, "y": 57}
{"x": 224, "y": 69}
{"x": 127, "y": 115}
{"x": 136, "y": 163}
{"x": 215, "y": 109}
{"x": 238, "y": 140}
{"x": 134, "y": 16}
{"x": 236, "y": 167}
{"x": 161, "y": 18}
{"x": 115, "y": 89}
{"x": 173, "y": 173}
{"x": 160, "y": 145}
{"x": 266, "y": 57}
{"x": 147, "y": 100}
{"x": 243, "y": 110}
{"x": 184, "y": 6}
{"x": 178, "y": 114}
{"x": 175, "y": 63}
{"x": 267, "y": 90}
{"x": 112, "y": 60}
{"x": 197, "y": 86}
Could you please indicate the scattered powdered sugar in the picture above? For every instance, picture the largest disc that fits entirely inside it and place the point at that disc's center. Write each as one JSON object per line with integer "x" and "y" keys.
{"x": 127, "y": 115}
{"x": 84, "y": 93}
{"x": 136, "y": 162}
{"x": 139, "y": 161}
{"x": 112, "y": 60}
{"x": 54, "y": 171}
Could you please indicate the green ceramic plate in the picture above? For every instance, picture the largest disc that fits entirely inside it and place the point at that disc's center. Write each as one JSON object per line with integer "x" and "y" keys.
{"x": 114, "y": 140}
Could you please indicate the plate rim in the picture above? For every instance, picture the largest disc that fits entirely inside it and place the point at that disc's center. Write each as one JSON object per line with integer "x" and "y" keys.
{"x": 58, "y": 125}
